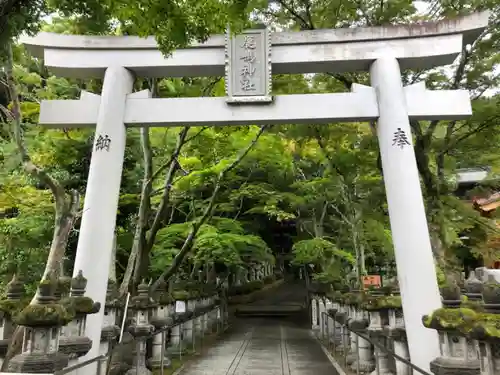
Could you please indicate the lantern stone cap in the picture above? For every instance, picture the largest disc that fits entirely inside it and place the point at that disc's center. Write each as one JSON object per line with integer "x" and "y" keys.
{"x": 78, "y": 284}
{"x": 15, "y": 288}
{"x": 142, "y": 301}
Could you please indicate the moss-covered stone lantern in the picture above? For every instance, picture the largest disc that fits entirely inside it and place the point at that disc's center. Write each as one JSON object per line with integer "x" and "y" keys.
{"x": 161, "y": 321}
{"x": 486, "y": 329}
{"x": 110, "y": 329}
{"x": 457, "y": 352}
{"x": 42, "y": 322}
{"x": 143, "y": 306}
{"x": 383, "y": 309}
{"x": 73, "y": 341}
{"x": 176, "y": 344}
{"x": 359, "y": 322}
{"x": 9, "y": 307}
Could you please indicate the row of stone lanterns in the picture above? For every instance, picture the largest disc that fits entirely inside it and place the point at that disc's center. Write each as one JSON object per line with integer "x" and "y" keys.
{"x": 468, "y": 327}
{"x": 55, "y": 324}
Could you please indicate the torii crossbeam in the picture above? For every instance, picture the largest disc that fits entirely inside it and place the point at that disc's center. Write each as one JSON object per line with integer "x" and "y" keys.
{"x": 247, "y": 62}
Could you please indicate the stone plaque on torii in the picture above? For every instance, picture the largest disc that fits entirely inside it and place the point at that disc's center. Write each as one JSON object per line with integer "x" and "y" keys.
{"x": 247, "y": 61}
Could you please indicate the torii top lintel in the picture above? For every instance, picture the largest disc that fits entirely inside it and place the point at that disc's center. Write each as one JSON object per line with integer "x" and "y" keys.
{"x": 417, "y": 46}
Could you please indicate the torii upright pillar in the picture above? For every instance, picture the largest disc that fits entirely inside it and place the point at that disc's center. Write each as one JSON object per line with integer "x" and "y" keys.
{"x": 103, "y": 191}
{"x": 410, "y": 234}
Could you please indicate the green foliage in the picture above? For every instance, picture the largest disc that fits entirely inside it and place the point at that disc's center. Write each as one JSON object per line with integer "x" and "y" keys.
{"x": 18, "y": 16}
{"x": 246, "y": 288}
{"x": 317, "y": 250}
{"x": 223, "y": 241}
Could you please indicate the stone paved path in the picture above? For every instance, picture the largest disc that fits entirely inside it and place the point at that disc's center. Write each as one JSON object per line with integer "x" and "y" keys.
{"x": 264, "y": 347}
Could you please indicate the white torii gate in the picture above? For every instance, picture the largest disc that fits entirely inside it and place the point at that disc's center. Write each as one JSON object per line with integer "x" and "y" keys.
{"x": 383, "y": 51}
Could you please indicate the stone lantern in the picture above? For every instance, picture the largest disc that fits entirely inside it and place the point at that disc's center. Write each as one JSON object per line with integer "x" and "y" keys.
{"x": 396, "y": 331}
{"x": 14, "y": 293}
{"x": 176, "y": 343}
{"x": 378, "y": 308}
{"x": 457, "y": 354}
{"x": 73, "y": 341}
{"x": 143, "y": 306}
{"x": 110, "y": 329}
{"x": 161, "y": 320}
{"x": 486, "y": 329}
{"x": 42, "y": 322}
{"x": 188, "y": 338}
{"x": 359, "y": 323}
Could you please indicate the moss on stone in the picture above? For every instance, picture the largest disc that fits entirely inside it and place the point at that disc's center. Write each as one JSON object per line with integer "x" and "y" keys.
{"x": 142, "y": 303}
{"x": 195, "y": 294}
{"x": 180, "y": 295}
{"x": 79, "y": 305}
{"x": 165, "y": 299}
{"x": 488, "y": 325}
{"x": 64, "y": 285}
{"x": 38, "y": 315}
{"x": 461, "y": 319}
{"x": 477, "y": 306}
{"x": 11, "y": 307}
{"x": 335, "y": 296}
{"x": 481, "y": 326}
{"x": 373, "y": 303}
{"x": 355, "y": 299}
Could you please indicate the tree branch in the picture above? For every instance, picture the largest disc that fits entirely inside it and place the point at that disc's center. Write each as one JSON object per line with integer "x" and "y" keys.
{"x": 167, "y": 187}
{"x": 485, "y": 125}
{"x": 188, "y": 242}
{"x": 144, "y": 207}
{"x": 40, "y": 174}
{"x": 164, "y": 166}
{"x": 302, "y": 20}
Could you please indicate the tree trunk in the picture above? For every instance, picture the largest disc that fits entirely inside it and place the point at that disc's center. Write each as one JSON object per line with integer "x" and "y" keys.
{"x": 64, "y": 221}
{"x": 112, "y": 265}
{"x": 134, "y": 261}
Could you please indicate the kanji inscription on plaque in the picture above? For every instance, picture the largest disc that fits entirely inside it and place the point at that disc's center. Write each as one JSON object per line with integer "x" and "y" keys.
{"x": 248, "y": 70}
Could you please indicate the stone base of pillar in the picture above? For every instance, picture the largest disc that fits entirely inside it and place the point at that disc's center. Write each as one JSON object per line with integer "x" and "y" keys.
{"x": 401, "y": 349}
{"x": 156, "y": 363}
{"x": 139, "y": 371}
{"x": 365, "y": 366}
{"x": 365, "y": 360}
{"x": 335, "y": 338}
{"x": 383, "y": 366}
{"x": 455, "y": 366}
{"x": 344, "y": 342}
{"x": 177, "y": 350}
{"x": 350, "y": 358}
